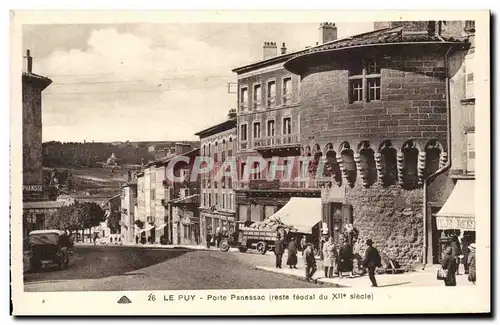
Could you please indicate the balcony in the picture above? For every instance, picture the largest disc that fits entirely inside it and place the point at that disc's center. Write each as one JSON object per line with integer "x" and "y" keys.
{"x": 276, "y": 185}
{"x": 286, "y": 140}
{"x": 271, "y": 102}
{"x": 256, "y": 105}
{"x": 243, "y": 106}
{"x": 287, "y": 99}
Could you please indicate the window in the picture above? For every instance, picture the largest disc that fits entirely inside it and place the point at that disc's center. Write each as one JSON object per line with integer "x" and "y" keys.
{"x": 230, "y": 205}
{"x": 153, "y": 194}
{"x": 287, "y": 125}
{"x": 216, "y": 203}
{"x": 256, "y": 168}
{"x": 229, "y": 182}
{"x": 204, "y": 150}
{"x": 287, "y": 90}
{"x": 242, "y": 171}
{"x": 471, "y": 153}
{"x": 204, "y": 203}
{"x": 210, "y": 199}
{"x": 243, "y": 99}
{"x": 364, "y": 82}
{"x": 469, "y": 76}
{"x": 230, "y": 148}
{"x": 257, "y": 96}
{"x": 184, "y": 175}
{"x": 270, "y": 128}
{"x": 470, "y": 26}
{"x": 271, "y": 94}
{"x": 243, "y": 133}
{"x": 223, "y": 200}
{"x": 256, "y": 130}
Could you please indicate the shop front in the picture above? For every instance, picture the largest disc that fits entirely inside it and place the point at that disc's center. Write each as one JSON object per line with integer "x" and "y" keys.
{"x": 457, "y": 217}
{"x": 211, "y": 220}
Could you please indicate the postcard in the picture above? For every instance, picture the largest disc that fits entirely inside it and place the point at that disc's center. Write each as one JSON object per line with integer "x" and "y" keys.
{"x": 250, "y": 162}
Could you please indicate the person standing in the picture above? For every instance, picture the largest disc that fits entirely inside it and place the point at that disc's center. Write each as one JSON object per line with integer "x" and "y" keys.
{"x": 310, "y": 261}
{"x": 292, "y": 253}
{"x": 456, "y": 251}
{"x": 346, "y": 257}
{"x": 465, "y": 252}
{"x": 218, "y": 236}
{"x": 137, "y": 240}
{"x": 95, "y": 238}
{"x": 450, "y": 265}
{"x": 303, "y": 244}
{"x": 372, "y": 261}
{"x": 471, "y": 263}
{"x": 279, "y": 249}
{"x": 330, "y": 257}
{"x": 208, "y": 239}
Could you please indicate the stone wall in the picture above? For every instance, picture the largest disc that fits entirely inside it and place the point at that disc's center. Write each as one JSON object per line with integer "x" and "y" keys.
{"x": 32, "y": 135}
{"x": 392, "y": 217}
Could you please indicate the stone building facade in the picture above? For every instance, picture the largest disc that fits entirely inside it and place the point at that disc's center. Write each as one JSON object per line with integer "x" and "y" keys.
{"x": 217, "y": 200}
{"x": 128, "y": 208}
{"x": 374, "y": 115}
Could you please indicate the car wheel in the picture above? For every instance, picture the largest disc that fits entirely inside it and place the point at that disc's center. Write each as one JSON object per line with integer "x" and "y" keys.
{"x": 262, "y": 247}
{"x": 224, "y": 245}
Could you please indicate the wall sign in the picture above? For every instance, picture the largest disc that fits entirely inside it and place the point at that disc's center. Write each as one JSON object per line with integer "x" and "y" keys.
{"x": 446, "y": 223}
{"x": 33, "y": 188}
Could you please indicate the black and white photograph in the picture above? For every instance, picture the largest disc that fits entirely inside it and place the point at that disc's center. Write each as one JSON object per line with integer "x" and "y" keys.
{"x": 266, "y": 160}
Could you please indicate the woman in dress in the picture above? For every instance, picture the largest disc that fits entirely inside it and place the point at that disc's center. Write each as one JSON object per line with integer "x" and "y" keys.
{"x": 471, "y": 263}
{"x": 450, "y": 265}
{"x": 292, "y": 254}
{"x": 329, "y": 257}
{"x": 346, "y": 257}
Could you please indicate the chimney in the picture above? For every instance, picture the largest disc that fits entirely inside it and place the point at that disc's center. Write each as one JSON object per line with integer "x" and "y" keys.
{"x": 283, "y": 49}
{"x": 28, "y": 62}
{"x": 328, "y": 32}
{"x": 232, "y": 114}
{"x": 270, "y": 50}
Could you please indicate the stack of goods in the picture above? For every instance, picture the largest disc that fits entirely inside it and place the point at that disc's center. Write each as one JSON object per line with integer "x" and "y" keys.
{"x": 272, "y": 223}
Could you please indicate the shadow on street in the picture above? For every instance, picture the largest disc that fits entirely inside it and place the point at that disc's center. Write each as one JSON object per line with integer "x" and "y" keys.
{"x": 95, "y": 262}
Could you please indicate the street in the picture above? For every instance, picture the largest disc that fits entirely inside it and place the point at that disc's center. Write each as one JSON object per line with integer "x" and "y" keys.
{"x": 115, "y": 268}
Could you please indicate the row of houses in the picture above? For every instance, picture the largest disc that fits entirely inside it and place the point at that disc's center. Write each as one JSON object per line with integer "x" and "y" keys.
{"x": 388, "y": 115}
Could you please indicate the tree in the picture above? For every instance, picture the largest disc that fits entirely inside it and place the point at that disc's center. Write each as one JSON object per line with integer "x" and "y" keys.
{"x": 113, "y": 221}
{"x": 91, "y": 214}
{"x": 65, "y": 218}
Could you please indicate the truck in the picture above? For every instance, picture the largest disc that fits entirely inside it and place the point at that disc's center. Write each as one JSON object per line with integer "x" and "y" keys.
{"x": 246, "y": 238}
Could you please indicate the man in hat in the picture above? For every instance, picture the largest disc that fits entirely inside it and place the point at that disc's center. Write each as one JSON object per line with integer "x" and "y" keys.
{"x": 471, "y": 262}
{"x": 309, "y": 261}
{"x": 372, "y": 261}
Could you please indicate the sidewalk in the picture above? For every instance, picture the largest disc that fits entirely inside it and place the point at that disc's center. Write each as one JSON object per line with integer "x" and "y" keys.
{"x": 180, "y": 246}
{"x": 407, "y": 279}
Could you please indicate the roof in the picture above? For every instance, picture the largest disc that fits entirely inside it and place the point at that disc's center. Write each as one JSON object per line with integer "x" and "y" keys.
{"x": 221, "y": 127}
{"x": 165, "y": 160}
{"x": 47, "y": 231}
{"x": 374, "y": 38}
{"x": 42, "y": 81}
{"x": 43, "y": 205}
{"x": 187, "y": 200}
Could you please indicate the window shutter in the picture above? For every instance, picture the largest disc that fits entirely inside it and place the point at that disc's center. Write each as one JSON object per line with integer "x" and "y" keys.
{"x": 471, "y": 153}
{"x": 469, "y": 76}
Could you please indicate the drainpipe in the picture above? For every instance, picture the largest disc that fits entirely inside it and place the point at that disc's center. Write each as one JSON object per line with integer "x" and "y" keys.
{"x": 447, "y": 166}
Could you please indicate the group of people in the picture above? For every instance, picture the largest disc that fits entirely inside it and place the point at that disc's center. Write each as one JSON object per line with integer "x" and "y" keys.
{"x": 455, "y": 253}
{"x": 336, "y": 260}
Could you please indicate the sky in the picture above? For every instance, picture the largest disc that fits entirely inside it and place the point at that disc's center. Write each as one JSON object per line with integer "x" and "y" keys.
{"x": 149, "y": 82}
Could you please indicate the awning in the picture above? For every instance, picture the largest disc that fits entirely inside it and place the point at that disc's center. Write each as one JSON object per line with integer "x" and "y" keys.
{"x": 458, "y": 212}
{"x": 302, "y": 213}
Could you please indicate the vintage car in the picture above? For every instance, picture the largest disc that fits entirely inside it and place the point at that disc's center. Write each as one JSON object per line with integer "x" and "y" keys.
{"x": 48, "y": 248}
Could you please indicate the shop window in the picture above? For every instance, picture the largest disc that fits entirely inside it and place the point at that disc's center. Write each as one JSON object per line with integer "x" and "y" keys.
{"x": 364, "y": 81}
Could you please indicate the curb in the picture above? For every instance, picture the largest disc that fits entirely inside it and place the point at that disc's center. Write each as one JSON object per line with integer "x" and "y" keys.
{"x": 303, "y": 278}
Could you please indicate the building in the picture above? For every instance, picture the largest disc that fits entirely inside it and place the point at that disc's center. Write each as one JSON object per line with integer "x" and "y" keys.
{"x": 128, "y": 206}
{"x": 269, "y": 133}
{"x": 168, "y": 207}
{"x": 450, "y": 197}
{"x": 36, "y": 204}
{"x": 217, "y": 200}
{"x": 374, "y": 115}
{"x": 176, "y": 149}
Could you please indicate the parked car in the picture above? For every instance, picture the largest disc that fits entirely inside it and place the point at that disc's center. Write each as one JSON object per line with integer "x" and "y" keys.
{"x": 48, "y": 248}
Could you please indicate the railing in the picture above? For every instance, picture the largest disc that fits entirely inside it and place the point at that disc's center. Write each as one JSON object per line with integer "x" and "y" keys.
{"x": 243, "y": 106}
{"x": 271, "y": 102}
{"x": 276, "y": 141}
{"x": 244, "y": 145}
{"x": 256, "y": 104}
{"x": 287, "y": 99}
{"x": 263, "y": 184}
